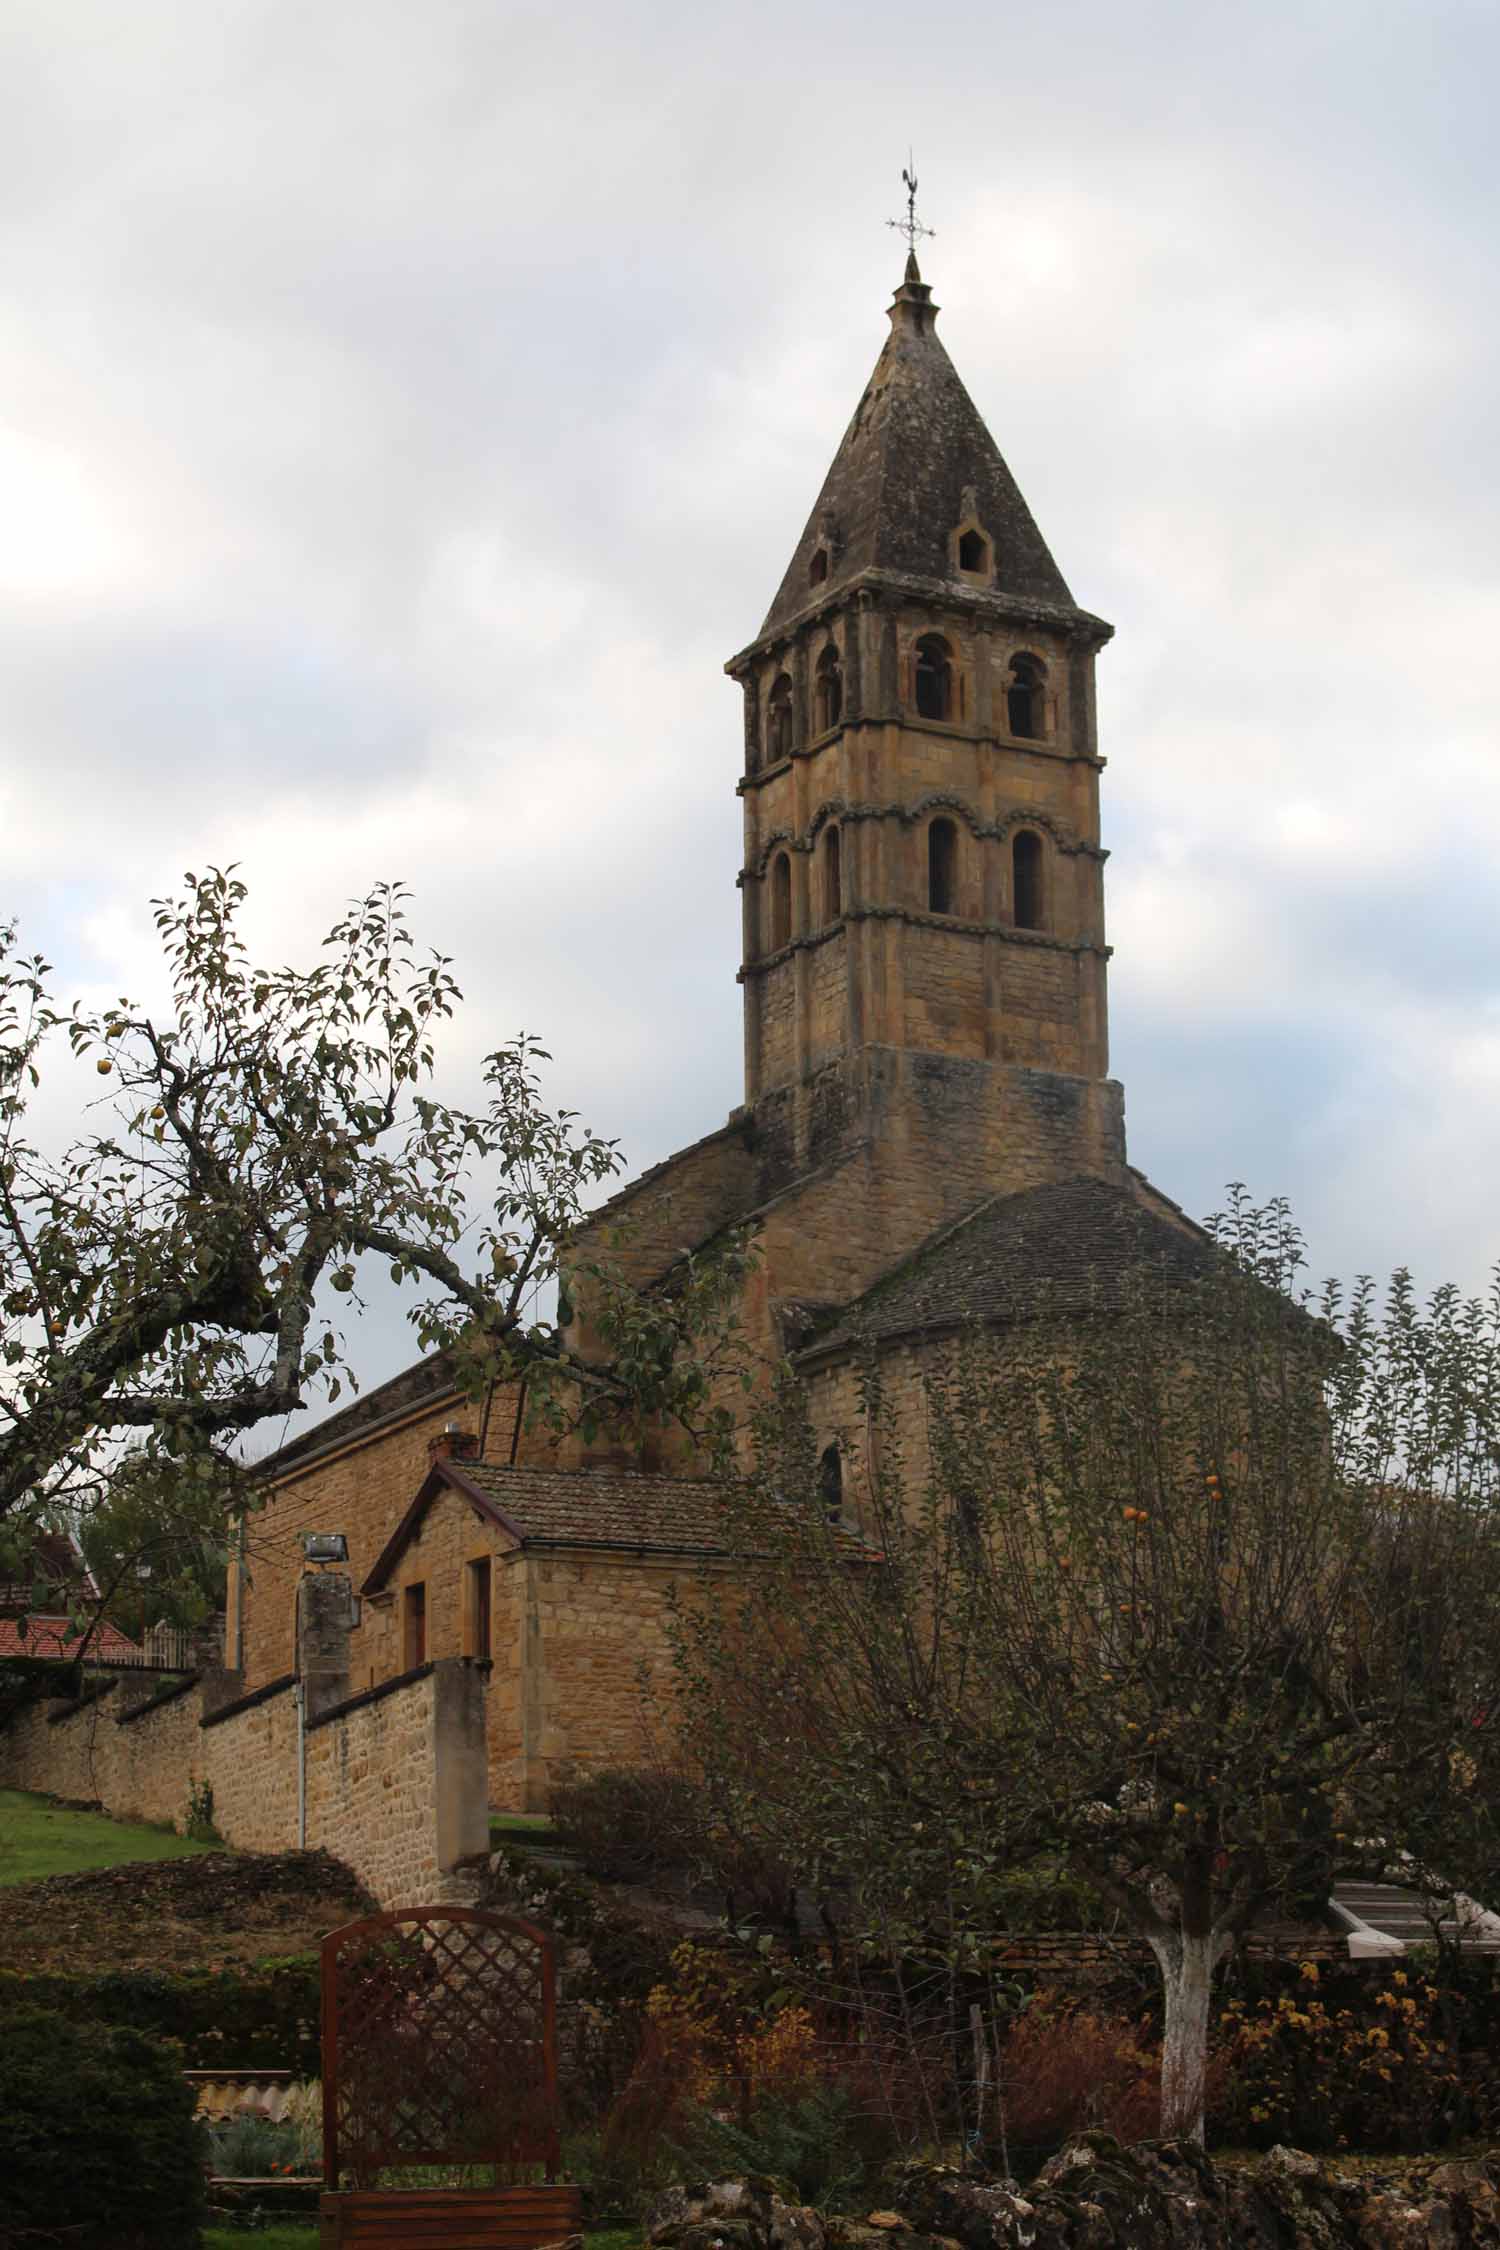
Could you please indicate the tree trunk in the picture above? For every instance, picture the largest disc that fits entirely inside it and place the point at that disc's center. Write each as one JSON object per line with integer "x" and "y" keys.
{"x": 1187, "y": 1962}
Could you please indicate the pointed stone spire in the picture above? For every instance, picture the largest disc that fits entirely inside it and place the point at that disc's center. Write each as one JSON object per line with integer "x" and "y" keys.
{"x": 914, "y": 451}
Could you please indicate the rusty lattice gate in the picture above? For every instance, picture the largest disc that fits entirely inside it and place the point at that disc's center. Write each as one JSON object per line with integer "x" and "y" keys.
{"x": 440, "y": 2049}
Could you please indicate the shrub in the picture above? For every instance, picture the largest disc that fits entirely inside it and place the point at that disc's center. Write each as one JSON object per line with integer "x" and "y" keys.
{"x": 631, "y": 1826}
{"x": 651, "y": 1825}
{"x": 819, "y": 2140}
{"x": 253, "y": 2147}
{"x": 98, "y": 2141}
{"x": 198, "y": 1821}
{"x": 1066, "y": 2067}
{"x": 1377, "y": 2071}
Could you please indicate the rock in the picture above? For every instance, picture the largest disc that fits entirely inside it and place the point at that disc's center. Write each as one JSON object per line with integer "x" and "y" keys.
{"x": 858, "y": 2234}
{"x": 744, "y": 2214}
{"x": 1097, "y": 2195}
{"x": 795, "y": 2227}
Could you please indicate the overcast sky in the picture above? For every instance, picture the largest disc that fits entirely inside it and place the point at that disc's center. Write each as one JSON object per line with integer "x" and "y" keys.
{"x": 405, "y": 409}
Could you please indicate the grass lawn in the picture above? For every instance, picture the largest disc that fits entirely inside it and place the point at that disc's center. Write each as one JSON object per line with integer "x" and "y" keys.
{"x": 37, "y": 1838}
{"x": 535, "y": 1825}
{"x": 260, "y": 2238}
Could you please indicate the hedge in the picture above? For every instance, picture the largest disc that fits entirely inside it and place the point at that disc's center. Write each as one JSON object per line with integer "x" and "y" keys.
{"x": 99, "y": 2146}
{"x": 251, "y": 2018}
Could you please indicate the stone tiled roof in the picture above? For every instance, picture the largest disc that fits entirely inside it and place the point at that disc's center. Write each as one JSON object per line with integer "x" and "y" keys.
{"x": 1066, "y": 1248}
{"x": 602, "y": 1507}
{"x": 613, "y": 1508}
{"x": 623, "y": 1510}
{"x": 896, "y": 488}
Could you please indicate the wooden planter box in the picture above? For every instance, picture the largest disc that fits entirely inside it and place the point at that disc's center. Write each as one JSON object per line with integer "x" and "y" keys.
{"x": 510, "y": 2218}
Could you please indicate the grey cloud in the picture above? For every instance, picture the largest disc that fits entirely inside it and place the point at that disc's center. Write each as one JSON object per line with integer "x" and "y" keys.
{"x": 405, "y": 412}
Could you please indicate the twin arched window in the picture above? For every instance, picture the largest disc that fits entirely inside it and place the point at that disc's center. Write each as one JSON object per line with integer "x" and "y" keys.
{"x": 933, "y": 678}
{"x": 1028, "y": 899}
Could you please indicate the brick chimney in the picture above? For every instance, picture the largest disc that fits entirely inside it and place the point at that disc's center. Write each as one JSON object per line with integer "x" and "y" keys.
{"x": 453, "y": 1443}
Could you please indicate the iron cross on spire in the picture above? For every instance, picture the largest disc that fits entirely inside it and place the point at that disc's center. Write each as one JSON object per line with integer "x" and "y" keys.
{"x": 911, "y": 226}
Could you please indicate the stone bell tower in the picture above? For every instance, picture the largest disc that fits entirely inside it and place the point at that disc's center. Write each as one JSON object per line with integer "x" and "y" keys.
{"x": 924, "y": 949}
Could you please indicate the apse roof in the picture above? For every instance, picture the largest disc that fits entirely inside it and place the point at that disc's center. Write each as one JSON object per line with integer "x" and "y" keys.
{"x": 1066, "y": 1248}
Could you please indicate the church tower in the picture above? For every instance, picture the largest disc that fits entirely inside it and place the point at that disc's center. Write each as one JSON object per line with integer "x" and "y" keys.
{"x": 924, "y": 950}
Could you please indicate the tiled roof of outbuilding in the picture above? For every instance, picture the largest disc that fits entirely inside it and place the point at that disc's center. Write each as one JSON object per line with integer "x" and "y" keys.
{"x": 1066, "y": 1248}
{"x": 613, "y": 1508}
{"x": 603, "y": 1507}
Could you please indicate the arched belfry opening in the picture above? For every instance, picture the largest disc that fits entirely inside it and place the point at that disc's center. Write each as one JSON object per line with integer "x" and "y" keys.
{"x": 1025, "y": 697}
{"x": 833, "y": 881}
{"x": 933, "y": 678}
{"x": 830, "y": 689}
{"x": 781, "y": 902}
{"x": 1026, "y": 876}
{"x": 942, "y": 867}
{"x": 779, "y": 719}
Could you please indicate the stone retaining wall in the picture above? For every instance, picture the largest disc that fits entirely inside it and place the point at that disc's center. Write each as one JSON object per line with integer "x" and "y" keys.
{"x": 395, "y": 1778}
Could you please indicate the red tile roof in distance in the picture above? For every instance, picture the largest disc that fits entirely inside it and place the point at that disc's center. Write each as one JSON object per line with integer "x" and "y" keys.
{"x": 54, "y": 1636}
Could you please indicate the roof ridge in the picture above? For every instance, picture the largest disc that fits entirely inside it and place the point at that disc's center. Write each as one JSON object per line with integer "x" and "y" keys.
{"x": 592, "y": 1470}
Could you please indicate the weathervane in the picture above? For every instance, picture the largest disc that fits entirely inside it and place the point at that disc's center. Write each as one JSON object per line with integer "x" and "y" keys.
{"x": 911, "y": 226}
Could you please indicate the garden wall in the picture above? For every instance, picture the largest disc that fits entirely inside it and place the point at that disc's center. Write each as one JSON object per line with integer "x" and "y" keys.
{"x": 396, "y": 1783}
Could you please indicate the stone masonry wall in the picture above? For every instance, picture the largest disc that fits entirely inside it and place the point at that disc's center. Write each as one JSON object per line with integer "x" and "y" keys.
{"x": 596, "y": 1682}
{"x": 395, "y": 1780}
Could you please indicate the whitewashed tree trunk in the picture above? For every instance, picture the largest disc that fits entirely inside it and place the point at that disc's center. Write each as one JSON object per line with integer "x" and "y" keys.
{"x": 1187, "y": 1962}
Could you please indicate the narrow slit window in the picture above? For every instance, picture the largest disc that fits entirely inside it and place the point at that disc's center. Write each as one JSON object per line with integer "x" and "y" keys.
{"x": 779, "y": 720}
{"x": 478, "y": 1633}
{"x": 942, "y": 866}
{"x": 831, "y": 1483}
{"x": 413, "y": 1628}
{"x": 830, "y": 689}
{"x": 817, "y": 569}
{"x": 1026, "y": 868}
{"x": 1024, "y": 703}
{"x": 934, "y": 677}
{"x": 833, "y": 888}
{"x": 781, "y": 902}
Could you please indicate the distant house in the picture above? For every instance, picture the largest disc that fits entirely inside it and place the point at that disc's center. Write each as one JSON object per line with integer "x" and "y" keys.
{"x": 48, "y": 1632}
